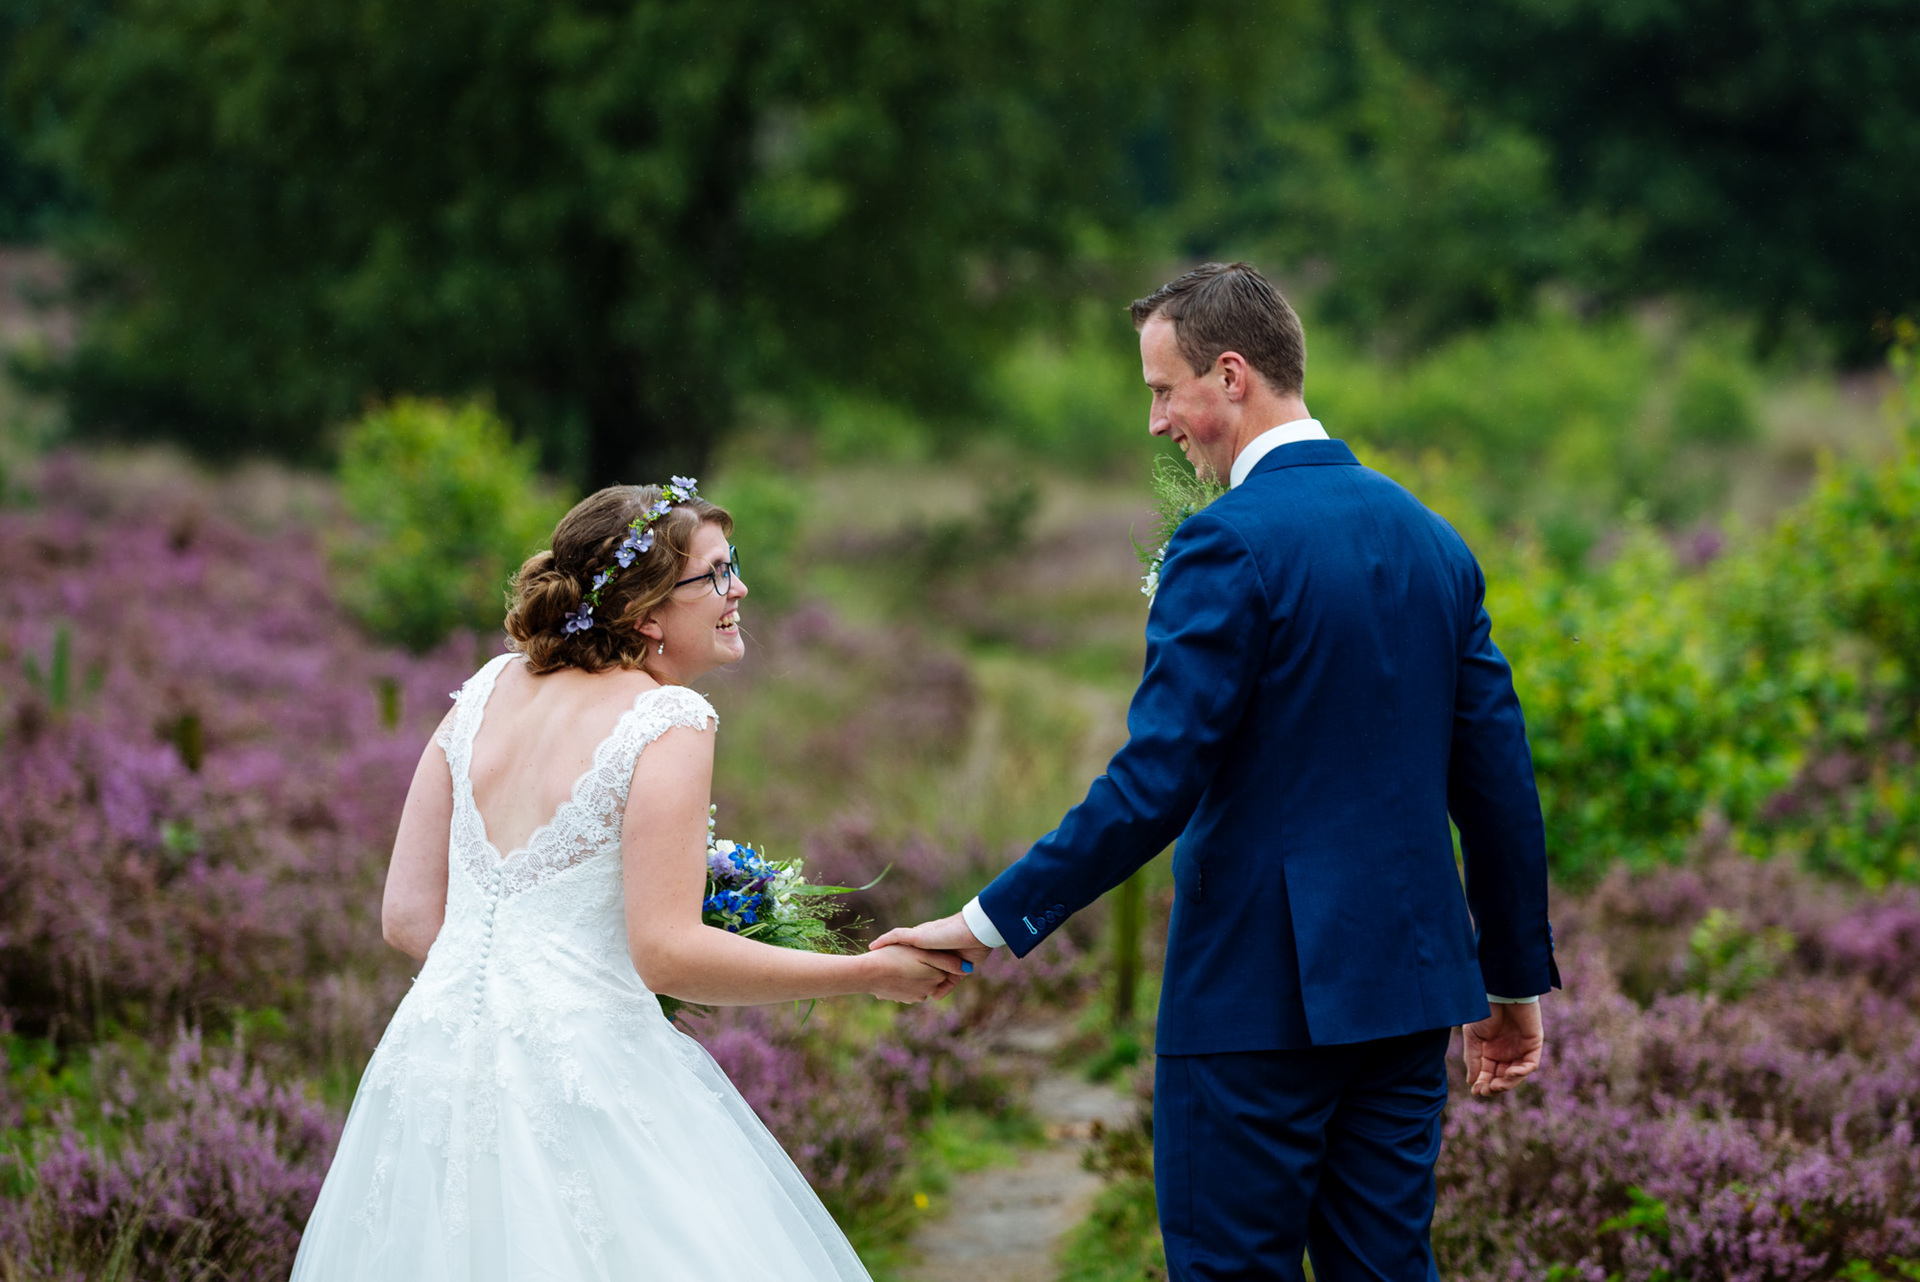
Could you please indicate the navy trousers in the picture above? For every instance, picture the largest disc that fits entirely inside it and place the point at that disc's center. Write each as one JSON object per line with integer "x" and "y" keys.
{"x": 1263, "y": 1156}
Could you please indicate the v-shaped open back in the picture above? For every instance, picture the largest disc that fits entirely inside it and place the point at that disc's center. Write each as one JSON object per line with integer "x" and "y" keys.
{"x": 588, "y": 821}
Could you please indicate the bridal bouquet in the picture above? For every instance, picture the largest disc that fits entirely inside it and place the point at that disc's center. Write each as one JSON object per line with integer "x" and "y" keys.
{"x": 770, "y": 900}
{"x": 1177, "y": 495}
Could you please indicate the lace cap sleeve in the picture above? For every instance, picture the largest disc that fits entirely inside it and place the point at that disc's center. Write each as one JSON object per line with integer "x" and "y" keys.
{"x": 671, "y": 706}
{"x": 467, "y": 700}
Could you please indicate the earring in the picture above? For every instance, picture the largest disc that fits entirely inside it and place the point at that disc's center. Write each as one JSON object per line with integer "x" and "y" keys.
{"x": 662, "y": 649}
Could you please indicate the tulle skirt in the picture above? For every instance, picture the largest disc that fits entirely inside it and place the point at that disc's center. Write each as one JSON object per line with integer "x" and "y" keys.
{"x": 470, "y": 1157}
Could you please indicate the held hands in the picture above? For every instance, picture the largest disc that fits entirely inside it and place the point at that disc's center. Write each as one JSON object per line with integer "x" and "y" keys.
{"x": 916, "y": 963}
{"x": 948, "y": 934}
{"x": 903, "y": 973}
{"x": 1503, "y": 1048}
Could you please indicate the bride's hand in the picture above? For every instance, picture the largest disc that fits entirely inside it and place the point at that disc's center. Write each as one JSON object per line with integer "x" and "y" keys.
{"x": 903, "y": 973}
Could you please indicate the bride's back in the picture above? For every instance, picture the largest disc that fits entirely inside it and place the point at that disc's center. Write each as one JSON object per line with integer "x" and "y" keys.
{"x": 536, "y": 738}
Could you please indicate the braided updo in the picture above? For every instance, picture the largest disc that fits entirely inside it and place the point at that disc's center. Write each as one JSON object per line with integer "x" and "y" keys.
{"x": 551, "y": 584}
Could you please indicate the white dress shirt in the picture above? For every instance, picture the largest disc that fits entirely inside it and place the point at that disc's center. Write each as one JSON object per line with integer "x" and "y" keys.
{"x": 1300, "y": 429}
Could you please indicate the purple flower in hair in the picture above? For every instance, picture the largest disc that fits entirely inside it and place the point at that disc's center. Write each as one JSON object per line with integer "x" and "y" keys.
{"x": 600, "y": 579}
{"x": 579, "y": 622}
{"x": 634, "y": 545}
{"x": 661, "y": 507}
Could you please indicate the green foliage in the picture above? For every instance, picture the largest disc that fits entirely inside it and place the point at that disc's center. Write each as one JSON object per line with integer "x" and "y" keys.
{"x": 1119, "y": 1241}
{"x": 1407, "y": 211}
{"x": 1656, "y": 698}
{"x": 1645, "y": 1214}
{"x": 1728, "y": 958}
{"x": 1869, "y": 832}
{"x": 1769, "y": 155}
{"x": 1862, "y": 1271}
{"x": 1643, "y": 717}
{"x": 766, "y": 507}
{"x": 1855, "y": 545}
{"x": 1075, "y": 398}
{"x": 447, "y": 507}
{"x": 1555, "y": 424}
{"x": 616, "y": 219}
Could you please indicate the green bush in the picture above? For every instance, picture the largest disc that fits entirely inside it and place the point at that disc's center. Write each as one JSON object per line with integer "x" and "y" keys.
{"x": 1077, "y": 399}
{"x": 1562, "y": 427}
{"x": 1855, "y": 544}
{"x": 766, "y": 509}
{"x": 447, "y": 506}
{"x": 1643, "y": 715}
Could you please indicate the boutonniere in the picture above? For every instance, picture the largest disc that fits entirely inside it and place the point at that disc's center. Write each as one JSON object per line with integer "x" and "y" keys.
{"x": 1177, "y": 494}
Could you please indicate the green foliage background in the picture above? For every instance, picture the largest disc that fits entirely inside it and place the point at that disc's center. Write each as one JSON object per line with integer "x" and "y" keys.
{"x": 629, "y": 223}
{"x": 445, "y": 507}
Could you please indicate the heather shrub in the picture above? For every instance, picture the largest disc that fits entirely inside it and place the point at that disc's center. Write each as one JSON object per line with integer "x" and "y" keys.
{"x": 448, "y": 506}
{"x": 211, "y": 1174}
{"x": 1674, "y": 1132}
{"x": 196, "y": 823}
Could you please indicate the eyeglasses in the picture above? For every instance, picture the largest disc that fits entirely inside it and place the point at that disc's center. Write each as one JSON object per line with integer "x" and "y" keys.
{"x": 721, "y": 575}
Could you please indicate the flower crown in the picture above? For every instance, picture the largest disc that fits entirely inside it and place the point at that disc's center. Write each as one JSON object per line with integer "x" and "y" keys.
{"x": 638, "y": 543}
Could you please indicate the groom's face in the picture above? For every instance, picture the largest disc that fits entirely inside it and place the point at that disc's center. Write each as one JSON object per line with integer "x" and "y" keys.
{"x": 1190, "y": 409}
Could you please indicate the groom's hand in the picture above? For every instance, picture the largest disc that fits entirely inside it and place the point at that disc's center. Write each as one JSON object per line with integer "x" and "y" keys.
{"x": 1503, "y": 1048}
{"x": 947, "y": 935}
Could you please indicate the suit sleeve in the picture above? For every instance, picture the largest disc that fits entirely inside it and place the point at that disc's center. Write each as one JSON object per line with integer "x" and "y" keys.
{"x": 1207, "y": 636}
{"x": 1495, "y": 804}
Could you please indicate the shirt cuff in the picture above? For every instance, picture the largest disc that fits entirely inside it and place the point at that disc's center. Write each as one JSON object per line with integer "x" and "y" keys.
{"x": 1512, "y": 1001}
{"x": 981, "y": 925}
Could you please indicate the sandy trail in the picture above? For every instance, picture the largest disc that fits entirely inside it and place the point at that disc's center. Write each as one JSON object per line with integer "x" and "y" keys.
{"x": 1005, "y": 1223}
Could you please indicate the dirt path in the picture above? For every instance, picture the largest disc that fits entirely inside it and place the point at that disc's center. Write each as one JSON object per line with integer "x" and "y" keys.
{"x": 1004, "y": 1224}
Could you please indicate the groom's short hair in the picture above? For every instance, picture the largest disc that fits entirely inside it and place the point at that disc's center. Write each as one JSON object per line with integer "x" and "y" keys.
{"x": 1231, "y": 307}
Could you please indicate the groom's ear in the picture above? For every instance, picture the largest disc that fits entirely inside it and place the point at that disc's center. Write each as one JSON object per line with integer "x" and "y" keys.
{"x": 1234, "y": 372}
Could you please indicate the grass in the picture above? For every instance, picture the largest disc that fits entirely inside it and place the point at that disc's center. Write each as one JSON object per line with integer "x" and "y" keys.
{"x": 1119, "y": 1241}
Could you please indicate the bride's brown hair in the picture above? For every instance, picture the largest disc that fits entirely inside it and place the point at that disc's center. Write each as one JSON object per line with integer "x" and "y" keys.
{"x": 551, "y": 584}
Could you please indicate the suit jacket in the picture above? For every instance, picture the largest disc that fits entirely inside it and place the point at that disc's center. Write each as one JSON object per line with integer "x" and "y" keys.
{"x": 1321, "y": 692}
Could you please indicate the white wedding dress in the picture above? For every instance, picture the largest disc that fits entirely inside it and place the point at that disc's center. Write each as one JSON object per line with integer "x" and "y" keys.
{"x": 530, "y": 1113}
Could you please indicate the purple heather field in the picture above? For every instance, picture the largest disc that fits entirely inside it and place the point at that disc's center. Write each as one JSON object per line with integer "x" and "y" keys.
{"x": 201, "y": 762}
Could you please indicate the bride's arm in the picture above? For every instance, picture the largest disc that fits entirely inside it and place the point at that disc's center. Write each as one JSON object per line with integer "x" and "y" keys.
{"x": 415, "y": 902}
{"x": 664, "y": 845}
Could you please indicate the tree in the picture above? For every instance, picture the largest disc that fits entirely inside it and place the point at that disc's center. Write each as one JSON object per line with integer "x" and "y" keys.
{"x": 614, "y": 216}
{"x": 1769, "y": 152}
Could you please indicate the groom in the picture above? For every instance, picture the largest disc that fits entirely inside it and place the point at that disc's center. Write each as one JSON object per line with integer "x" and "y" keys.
{"x": 1321, "y": 694}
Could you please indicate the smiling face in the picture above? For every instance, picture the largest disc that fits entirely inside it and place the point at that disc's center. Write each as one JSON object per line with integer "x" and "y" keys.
{"x": 700, "y": 629}
{"x": 1192, "y": 409}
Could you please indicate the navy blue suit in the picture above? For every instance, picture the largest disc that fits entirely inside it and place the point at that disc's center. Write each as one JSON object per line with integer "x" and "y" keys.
{"x": 1321, "y": 693}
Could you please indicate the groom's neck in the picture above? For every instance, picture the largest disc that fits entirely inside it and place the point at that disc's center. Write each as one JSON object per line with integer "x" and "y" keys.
{"x": 1261, "y": 412}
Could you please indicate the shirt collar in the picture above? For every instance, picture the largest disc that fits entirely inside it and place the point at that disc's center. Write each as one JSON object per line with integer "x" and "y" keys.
{"x": 1301, "y": 429}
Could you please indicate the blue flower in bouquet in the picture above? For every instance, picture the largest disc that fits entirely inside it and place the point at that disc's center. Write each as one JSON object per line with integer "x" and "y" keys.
{"x": 767, "y": 900}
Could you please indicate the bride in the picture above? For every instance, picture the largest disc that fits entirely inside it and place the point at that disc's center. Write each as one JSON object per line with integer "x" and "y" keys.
{"x": 530, "y": 1114}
